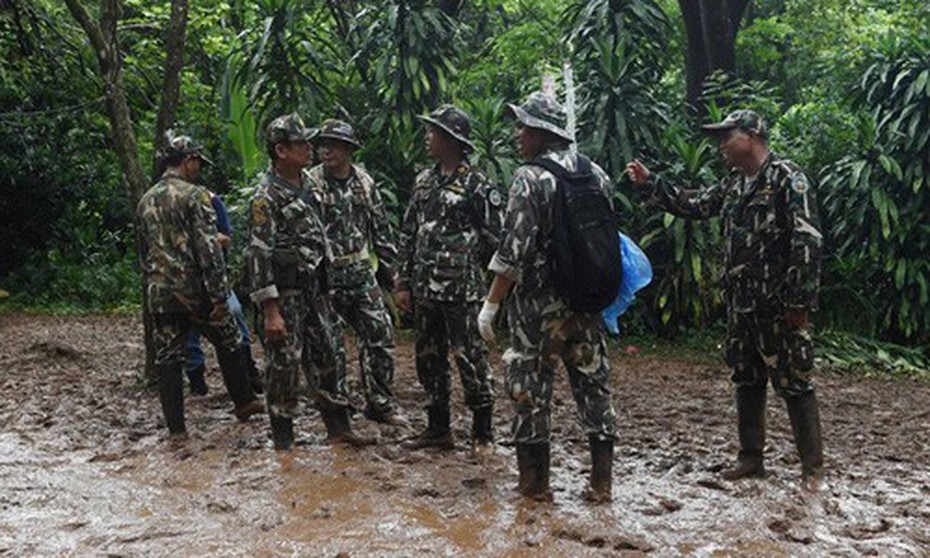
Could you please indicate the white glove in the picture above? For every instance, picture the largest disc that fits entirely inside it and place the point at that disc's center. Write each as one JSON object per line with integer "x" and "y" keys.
{"x": 486, "y": 320}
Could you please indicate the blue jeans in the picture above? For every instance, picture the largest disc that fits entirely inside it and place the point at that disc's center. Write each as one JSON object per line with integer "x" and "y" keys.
{"x": 195, "y": 357}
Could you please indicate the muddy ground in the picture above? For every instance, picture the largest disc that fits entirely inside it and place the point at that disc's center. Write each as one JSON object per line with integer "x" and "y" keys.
{"x": 85, "y": 469}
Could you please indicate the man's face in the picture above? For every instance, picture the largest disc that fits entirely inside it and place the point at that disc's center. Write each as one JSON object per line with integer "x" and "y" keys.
{"x": 735, "y": 146}
{"x": 295, "y": 153}
{"x": 190, "y": 168}
{"x": 438, "y": 143}
{"x": 335, "y": 154}
{"x": 530, "y": 141}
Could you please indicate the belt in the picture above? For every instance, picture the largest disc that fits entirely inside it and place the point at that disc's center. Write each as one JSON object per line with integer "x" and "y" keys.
{"x": 349, "y": 259}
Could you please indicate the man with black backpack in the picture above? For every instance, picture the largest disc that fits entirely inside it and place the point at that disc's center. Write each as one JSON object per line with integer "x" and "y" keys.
{"x": 558, "y": 201}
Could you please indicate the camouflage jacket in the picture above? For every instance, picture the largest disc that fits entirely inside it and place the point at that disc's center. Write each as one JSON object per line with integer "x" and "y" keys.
{"x": 286, "y": 241}
{"x": 181, "y": 260}
{"x": 771, "y": 230}
{"x": 450, "y": 228}
{"x": 354, "y": 216}
{"x": 523, "y": 255}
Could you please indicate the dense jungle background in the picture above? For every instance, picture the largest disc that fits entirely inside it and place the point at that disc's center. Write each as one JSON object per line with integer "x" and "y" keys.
{"x": 88, "y": 87}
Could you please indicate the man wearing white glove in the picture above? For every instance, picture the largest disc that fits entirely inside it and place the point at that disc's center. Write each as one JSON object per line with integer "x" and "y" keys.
{"x": 543, "y": 328}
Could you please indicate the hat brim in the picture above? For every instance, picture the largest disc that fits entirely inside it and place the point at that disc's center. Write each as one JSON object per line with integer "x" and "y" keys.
{"x": 203, "y": 158}
{"x": 718, "y": 127}
{"x": 324, "y": 135}
{"x": 469, "y": 146}
{"x": 531, "y": 121}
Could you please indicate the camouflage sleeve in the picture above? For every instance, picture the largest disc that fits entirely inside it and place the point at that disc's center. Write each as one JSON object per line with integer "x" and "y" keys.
{"x": 487, "y": 204}
{"x": 701, "y": 203}
{"x": 408, "y": 230}
{"x": 382, "y": 236}
{"x": 521, "y": 223}
{"x": 262, "y": 230}
{"x": 806, "y": 241}
{"x": 207, "y": 250}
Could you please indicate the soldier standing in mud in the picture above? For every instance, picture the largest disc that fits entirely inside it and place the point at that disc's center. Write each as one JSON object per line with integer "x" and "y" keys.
{"x": 773, "y": 246}
{"x": 286, "y": 256}
{"x": 454, "y": 219}
{"x": 354, "y": 218}
{"x": 542, "y": 327}
{"x": 185, "y": 279}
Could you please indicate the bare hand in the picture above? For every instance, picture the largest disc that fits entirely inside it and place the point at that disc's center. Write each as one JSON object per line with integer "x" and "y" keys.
{"x": 638, "y": 173}
{"x": 402, "y": 300}
{"x": 223, "y": 240}
{"x": 274, "y": 322}
{"x": 796, "y": 319}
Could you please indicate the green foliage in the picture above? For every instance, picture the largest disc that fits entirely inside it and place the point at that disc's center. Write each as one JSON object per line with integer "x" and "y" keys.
{"x": 877, "y": 201}
{"x": 850, "y": 353}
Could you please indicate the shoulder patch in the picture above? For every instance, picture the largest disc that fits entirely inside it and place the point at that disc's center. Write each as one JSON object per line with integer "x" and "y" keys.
{"x": 800, "y": 185}
{"x": 494, "y": 197}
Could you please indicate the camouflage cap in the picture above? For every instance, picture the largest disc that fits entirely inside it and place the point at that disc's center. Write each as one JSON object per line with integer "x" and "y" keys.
{"x": 543, "y": 112}
{"x": 453, "y": 121}
{"x": 289, "y": 127}
{"x": 744, "y": 119}
{"x": 184, "y": 146}
{"x": 337, "y": 130}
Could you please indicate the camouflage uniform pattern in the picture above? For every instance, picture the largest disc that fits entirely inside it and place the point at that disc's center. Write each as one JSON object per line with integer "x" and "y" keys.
{"x": 542, "y": 327}
{"x": 286, "y": 256}
{"x": 773, "y": 250}
{"x": 450, "y": 222}
{"x": 183, "y": 267}
{"x": 354, "y": 217}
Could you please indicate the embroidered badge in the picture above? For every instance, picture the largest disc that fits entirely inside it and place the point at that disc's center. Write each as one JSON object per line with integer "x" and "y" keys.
{"x": 259, "y": 215}
{"x": 800, "y": 185}
{"x": 494, "y": 197}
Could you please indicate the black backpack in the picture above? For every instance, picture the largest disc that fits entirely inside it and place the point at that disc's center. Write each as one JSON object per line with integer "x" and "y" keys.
{"x": 585, "y": 252}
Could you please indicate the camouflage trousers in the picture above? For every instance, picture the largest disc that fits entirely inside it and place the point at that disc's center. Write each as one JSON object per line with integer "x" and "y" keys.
{"x": 451, "y": 327}
{"x": 309, "y": 336}
{"x": 761, "y": 348}
{"x": 356, "y": 299}
{"x": 542, "y": 332}
{"x": 170, "y": 331}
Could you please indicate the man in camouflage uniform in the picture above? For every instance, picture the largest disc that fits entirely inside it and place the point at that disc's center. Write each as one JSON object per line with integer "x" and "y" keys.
{"x": 773, "y": 245}
{"x": 185, "y": 280}
{"x": 542, "y": 327}
{"x": 286, "y": 256}
{"x": 454, "y": 217}
{"x": 354, "y": 218}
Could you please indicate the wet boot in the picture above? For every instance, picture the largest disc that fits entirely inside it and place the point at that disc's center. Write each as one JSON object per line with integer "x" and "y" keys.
{"x": 533, "y": 466}
{"x": 234, "y": 367}
{"x": 437, "y": 434}
{"x": 339, "y": 429}
{"x": 750, "y": 412}
{"x": 482, "y": 432}
{"x": 602, "y": 458}
{"x": 197, "y": 379}
{"x": 171, "y": 393}
{"x": 255, "y": 376}
{"x": 282, "y": 432}
{"x": 805, "y": 423}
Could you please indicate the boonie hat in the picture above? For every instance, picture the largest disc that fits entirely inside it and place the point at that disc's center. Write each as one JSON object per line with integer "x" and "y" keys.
{"x": 543, "y": 112}
{"x": 453, "y": 121}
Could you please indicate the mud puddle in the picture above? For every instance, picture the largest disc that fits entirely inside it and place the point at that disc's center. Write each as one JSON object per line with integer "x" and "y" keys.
{"x": 85, "y": 469}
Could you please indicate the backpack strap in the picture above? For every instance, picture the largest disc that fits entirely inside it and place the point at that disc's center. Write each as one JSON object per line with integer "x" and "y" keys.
{"x": 561, "y": 173}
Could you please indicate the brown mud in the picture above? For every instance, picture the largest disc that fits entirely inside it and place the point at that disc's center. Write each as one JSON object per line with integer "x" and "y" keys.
{"x": 85, "y": 468}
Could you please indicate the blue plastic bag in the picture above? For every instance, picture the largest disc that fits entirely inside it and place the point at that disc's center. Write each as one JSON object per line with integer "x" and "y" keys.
{"x": 637, "y": 273}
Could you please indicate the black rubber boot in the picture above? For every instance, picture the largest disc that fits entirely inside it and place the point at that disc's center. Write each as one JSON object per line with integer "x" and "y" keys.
{"x": 282, "y": 432}
{"x": 198, "y": 380}
{"x": 750, "y": 411}
{"x": 533, "y": 466}
{"x": 339, "y": 429}
{"x": 602, "y": 460}
{"x": 437, "y": 434}
{"x": 171, "y": 393}
{"x": 256, "y": 380}
{"x": 234, "y": 366}
{"x": 804, "y": 413}
{"x": 482, "y": 432}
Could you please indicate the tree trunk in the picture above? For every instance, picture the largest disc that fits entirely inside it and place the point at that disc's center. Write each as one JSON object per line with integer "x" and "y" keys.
{"x": 103, "y": 40}
{"x": 710, "y": 31}
{"x": 171, "y": 84}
